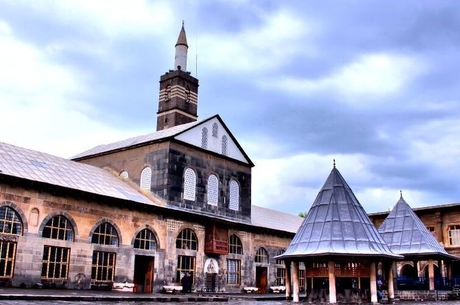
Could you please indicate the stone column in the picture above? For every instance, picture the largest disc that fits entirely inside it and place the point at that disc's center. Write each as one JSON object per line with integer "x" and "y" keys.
{"x": 391, "y": 287}
{"x": 287, "y": 279}
{"x": 332, "y": 289}
{"x": 431, "y": 273}
{"x": 295, "y": 279}
{"x": 373, "y": 280}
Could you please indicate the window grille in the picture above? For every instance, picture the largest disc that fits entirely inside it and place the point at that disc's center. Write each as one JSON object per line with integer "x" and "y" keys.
{"x": 280, "y": 276}
{"x": 187, "y": 240}
{"x": 103, "y": 267}
{"x": 302, "y": 278}
{"x": 224, "y": 145}
{"x": 261, "y": 256}
{"x": 7, "y": 258}
{"x": 55, "y": 264}
{"x": 454, "y": 235}
{"x": 189, "y": 184}
{"x": 10, "y": 223}
{"x": 146, "y": 179}
{"x": 204, "y": 137}
{"x": 185, "y": 264}
{"x": 215, "y": 130}
{"x": 105, "y": 234}
{"x": 213, "y": 190}
{"x": 233, "y": 271}
{"x": 145, "y": 240}
{"x": 234, "y": 195}
{"x": 58, "y": 227}
{"x": 234, "y": 245}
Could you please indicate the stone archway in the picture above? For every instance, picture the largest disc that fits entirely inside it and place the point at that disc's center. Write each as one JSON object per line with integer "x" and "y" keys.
{"x": 211, "y": 270}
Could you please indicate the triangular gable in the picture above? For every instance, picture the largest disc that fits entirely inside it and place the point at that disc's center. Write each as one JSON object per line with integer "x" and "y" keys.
{"x": 213, "y": 135}
{"x": 337, "y": 224}
{"x": 406, "y": 234}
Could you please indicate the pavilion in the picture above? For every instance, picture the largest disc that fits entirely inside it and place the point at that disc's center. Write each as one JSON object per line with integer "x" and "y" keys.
{"x": 340, "y": 248}
{"x": 405, "y": 234}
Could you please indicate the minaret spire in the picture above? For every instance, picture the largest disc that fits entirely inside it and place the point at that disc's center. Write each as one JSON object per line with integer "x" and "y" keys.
{"x": 180, "y": 59}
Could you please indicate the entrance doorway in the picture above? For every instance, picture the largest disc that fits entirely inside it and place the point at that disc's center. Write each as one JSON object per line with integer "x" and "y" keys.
{"x": 261, "y": 279}
{"x": 143, "y": 273}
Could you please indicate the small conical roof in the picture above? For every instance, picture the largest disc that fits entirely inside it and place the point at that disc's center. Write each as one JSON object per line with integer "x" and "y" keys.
{"x": 406, "y": 234}
{"x": 337, "y": 225}
{"x": 182, "y": 39}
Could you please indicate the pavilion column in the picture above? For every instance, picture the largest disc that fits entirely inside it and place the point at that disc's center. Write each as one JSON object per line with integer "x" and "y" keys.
{"x": 295, "y": 279}
{"x": 431, "y": 273}
{"x": 391, "y": 287}
{"x": 287, "y": 279}
{"x": 332, "y": 289}
{"x": 373, "y": 280}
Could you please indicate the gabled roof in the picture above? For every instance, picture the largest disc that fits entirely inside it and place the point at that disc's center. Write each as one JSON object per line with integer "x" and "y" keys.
{"x": 41, "y": 167}
{"x": 406, "y": 234}
{"x": 337, "y": 225}
{"x": 183, "y": 133}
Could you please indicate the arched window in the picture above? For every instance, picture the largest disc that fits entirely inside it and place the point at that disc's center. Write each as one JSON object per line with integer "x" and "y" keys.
{"x": 58, "y": 227}
{"x": 168, "y": 93}
{"x": 146, "y": 179}
{"x": 124, "y": 174}
{"x": 204, "y": 137}
{"x": 234, "y": 196}
{"x": 224, "y": 145}
{"x": 10, "y": 223}
{"x": 105, "y": 234}
{"x": 189, "y": 184}
{"x": 279, "y": 261}
{"x": 187, "y": 240}
{"x": 261, "y": 256}
{"x": 213, "y": 190}
{"x": 234, "y": 245}
{"x": 145, "y": 240}
{"x": 215, "y": 130}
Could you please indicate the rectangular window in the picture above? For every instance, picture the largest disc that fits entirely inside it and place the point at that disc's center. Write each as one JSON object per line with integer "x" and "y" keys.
{"x": 432, "y": 231}
{"x": 103, "y": 267}
{"x": 302, "y": 279}
{"x": 454, "y": 235}
{"x": 55, "y": 264}
{"x": 233, "y": 271}
{"x": 7, "y": 258}
{"x": 280, "y": 275}
{"x": 185, "y": 264}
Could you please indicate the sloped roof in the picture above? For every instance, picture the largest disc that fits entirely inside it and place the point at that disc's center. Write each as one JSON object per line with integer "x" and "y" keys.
{"x": 337, "y": 225}
{"x": 161, "y": 135}
{"x": 38, "y": 166}
{"x": 406, "y": 234}
{"x": 268, "y": 218}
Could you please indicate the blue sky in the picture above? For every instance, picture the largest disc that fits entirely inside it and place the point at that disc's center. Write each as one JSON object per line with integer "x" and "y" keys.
{"x": 371, "y": 84}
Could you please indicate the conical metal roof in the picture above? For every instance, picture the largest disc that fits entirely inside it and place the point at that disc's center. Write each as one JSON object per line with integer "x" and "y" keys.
{"x": 406, "y": 234}
{"x": 337, "y": 225}
{"x": 182, "y": 39}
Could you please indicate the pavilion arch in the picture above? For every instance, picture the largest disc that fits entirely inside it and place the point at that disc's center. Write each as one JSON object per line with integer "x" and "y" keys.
{"x": 155, "y": 236}
{"x": 101, "y": 222}
{"x": 20, "y": 213}
{"x": 54, "y": 214}
{"x": 408, "y": 269}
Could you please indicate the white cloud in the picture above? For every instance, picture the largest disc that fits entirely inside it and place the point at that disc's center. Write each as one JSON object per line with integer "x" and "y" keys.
{"x": 43, "y": 100}
{"x": 258, "y": 49}
{"x": 370, "y": 76}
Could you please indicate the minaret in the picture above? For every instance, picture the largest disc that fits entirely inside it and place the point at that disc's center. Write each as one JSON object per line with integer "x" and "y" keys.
{"x": 178, "y": 103}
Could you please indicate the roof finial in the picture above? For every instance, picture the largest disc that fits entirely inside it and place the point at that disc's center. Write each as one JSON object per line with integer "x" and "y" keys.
{"x": 182, "y": 23}
{"x": 400, "y": 194}
{"x": 333, "y": 163}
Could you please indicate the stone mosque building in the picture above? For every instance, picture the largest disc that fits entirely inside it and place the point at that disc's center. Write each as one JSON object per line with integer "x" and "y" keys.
{"x": 142, "y": 212}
